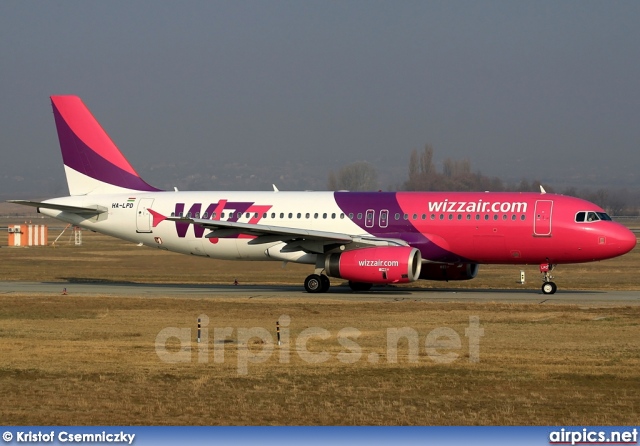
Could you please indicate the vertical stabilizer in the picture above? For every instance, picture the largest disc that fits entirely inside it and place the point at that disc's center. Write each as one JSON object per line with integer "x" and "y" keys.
{"x": 92, "y": 162}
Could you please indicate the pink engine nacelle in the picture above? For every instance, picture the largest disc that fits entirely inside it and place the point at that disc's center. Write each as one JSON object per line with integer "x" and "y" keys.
{"x": 461, "y": 271}
{"x": 386, "y": 264}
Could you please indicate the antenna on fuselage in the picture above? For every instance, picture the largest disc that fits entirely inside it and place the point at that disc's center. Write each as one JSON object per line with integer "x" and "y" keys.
{"x": 542, "y": 191}
{"x": 275, "y": 189}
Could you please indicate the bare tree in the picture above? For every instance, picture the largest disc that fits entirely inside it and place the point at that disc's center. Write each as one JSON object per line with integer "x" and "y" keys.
{"x": 358, "y": 176}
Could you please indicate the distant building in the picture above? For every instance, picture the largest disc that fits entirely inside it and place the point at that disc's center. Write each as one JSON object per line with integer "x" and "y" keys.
{"x": 28, "y": 235}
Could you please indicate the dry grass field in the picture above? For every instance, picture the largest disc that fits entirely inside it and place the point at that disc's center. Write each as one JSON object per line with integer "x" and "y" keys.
{"x": 93, "y": 359}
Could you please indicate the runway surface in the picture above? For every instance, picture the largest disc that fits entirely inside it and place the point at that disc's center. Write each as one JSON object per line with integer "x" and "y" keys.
{"x": 336, "y": 292}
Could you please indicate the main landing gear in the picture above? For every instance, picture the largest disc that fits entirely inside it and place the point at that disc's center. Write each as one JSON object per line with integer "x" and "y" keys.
{"x": 317, "y": 283}
{"x": 548, "y": 287}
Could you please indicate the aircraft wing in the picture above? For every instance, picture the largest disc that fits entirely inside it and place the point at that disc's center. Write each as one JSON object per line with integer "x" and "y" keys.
{"x": 297, "y": 238}
{"x": 92, "y": 210}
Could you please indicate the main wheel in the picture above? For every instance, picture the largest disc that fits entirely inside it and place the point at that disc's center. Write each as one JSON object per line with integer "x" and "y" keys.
{"x": 313, "y": 283}
{"x": 360, "y": 286}
{"x": 549, "y": 288}
{"x": 326, "y": 283}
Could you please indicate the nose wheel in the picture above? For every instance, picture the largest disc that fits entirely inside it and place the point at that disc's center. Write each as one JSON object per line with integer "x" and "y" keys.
{"x": 548, "y": 287}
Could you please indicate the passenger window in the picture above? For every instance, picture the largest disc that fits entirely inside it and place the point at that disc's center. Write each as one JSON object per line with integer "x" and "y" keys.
{"x": 397, "y": 216}
{"x": 406, "y": 216}
{"x": 333, "y": 215}
{"x": 299, "y": 215}
{"x": 522, "y": 217}
{"x": 424, "y": 216}
{"x": 315, "y": 215}
{"x": 281, "y": 214}
{"x": 307, "y": 215}
{"x": 450, "y": 216}
{"x": 359, "y": 215}
{"x": 341, "y": 215}
{"x": 441, "y": 216}
{"x": 324, "y": 215}
{"x": 433, "y": 216}
{"x": 350, "y": 215}
{"x": 415, "y": 216}
{"x": 290, "y": 215}
{"x": 459, "y": 216}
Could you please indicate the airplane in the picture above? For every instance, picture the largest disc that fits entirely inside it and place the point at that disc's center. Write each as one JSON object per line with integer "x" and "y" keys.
{"x": 367, "y": 238}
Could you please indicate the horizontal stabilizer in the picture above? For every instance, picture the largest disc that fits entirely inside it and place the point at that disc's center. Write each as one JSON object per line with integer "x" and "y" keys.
{"x": 91, "y": 210}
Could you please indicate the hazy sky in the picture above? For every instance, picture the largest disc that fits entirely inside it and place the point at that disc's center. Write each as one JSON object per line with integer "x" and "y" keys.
{"x": 532, "y": 89}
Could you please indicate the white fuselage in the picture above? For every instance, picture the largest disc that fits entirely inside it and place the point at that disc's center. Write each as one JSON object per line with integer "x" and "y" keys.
{"x": 127, "y": 218}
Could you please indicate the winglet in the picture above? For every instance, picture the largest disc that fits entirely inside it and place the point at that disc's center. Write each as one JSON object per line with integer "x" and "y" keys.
{"x": 157, "y": 217}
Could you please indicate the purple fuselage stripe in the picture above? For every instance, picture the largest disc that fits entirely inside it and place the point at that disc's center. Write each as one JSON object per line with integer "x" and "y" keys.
{"x": 360, "y": 202}
{"x": 81, "y": 158}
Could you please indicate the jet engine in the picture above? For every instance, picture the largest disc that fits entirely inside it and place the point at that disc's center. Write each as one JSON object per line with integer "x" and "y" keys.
{"x": 379, "y": 265}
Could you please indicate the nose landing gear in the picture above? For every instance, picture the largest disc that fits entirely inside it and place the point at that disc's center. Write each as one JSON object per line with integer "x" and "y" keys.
{"x": 548, "y": 287}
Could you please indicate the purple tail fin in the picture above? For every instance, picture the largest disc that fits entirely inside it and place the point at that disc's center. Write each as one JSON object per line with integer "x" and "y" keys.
{"x": 93, "y": 163}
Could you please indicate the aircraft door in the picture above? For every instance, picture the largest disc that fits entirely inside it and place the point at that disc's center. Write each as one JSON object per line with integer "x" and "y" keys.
{"x": 542, "y": 218}
{"x": 143, "y": 217}
{"x": 384, "y": 218}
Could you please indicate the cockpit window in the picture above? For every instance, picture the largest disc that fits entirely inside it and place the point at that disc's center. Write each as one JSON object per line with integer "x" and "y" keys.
{"x": 590, "y": 216}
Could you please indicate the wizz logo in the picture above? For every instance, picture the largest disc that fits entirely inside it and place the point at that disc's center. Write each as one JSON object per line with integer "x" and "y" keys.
{"x": 233, "y": 210}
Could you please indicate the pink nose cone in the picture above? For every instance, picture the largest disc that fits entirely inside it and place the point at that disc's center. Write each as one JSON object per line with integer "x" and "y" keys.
{"x": 624, "y": 239}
